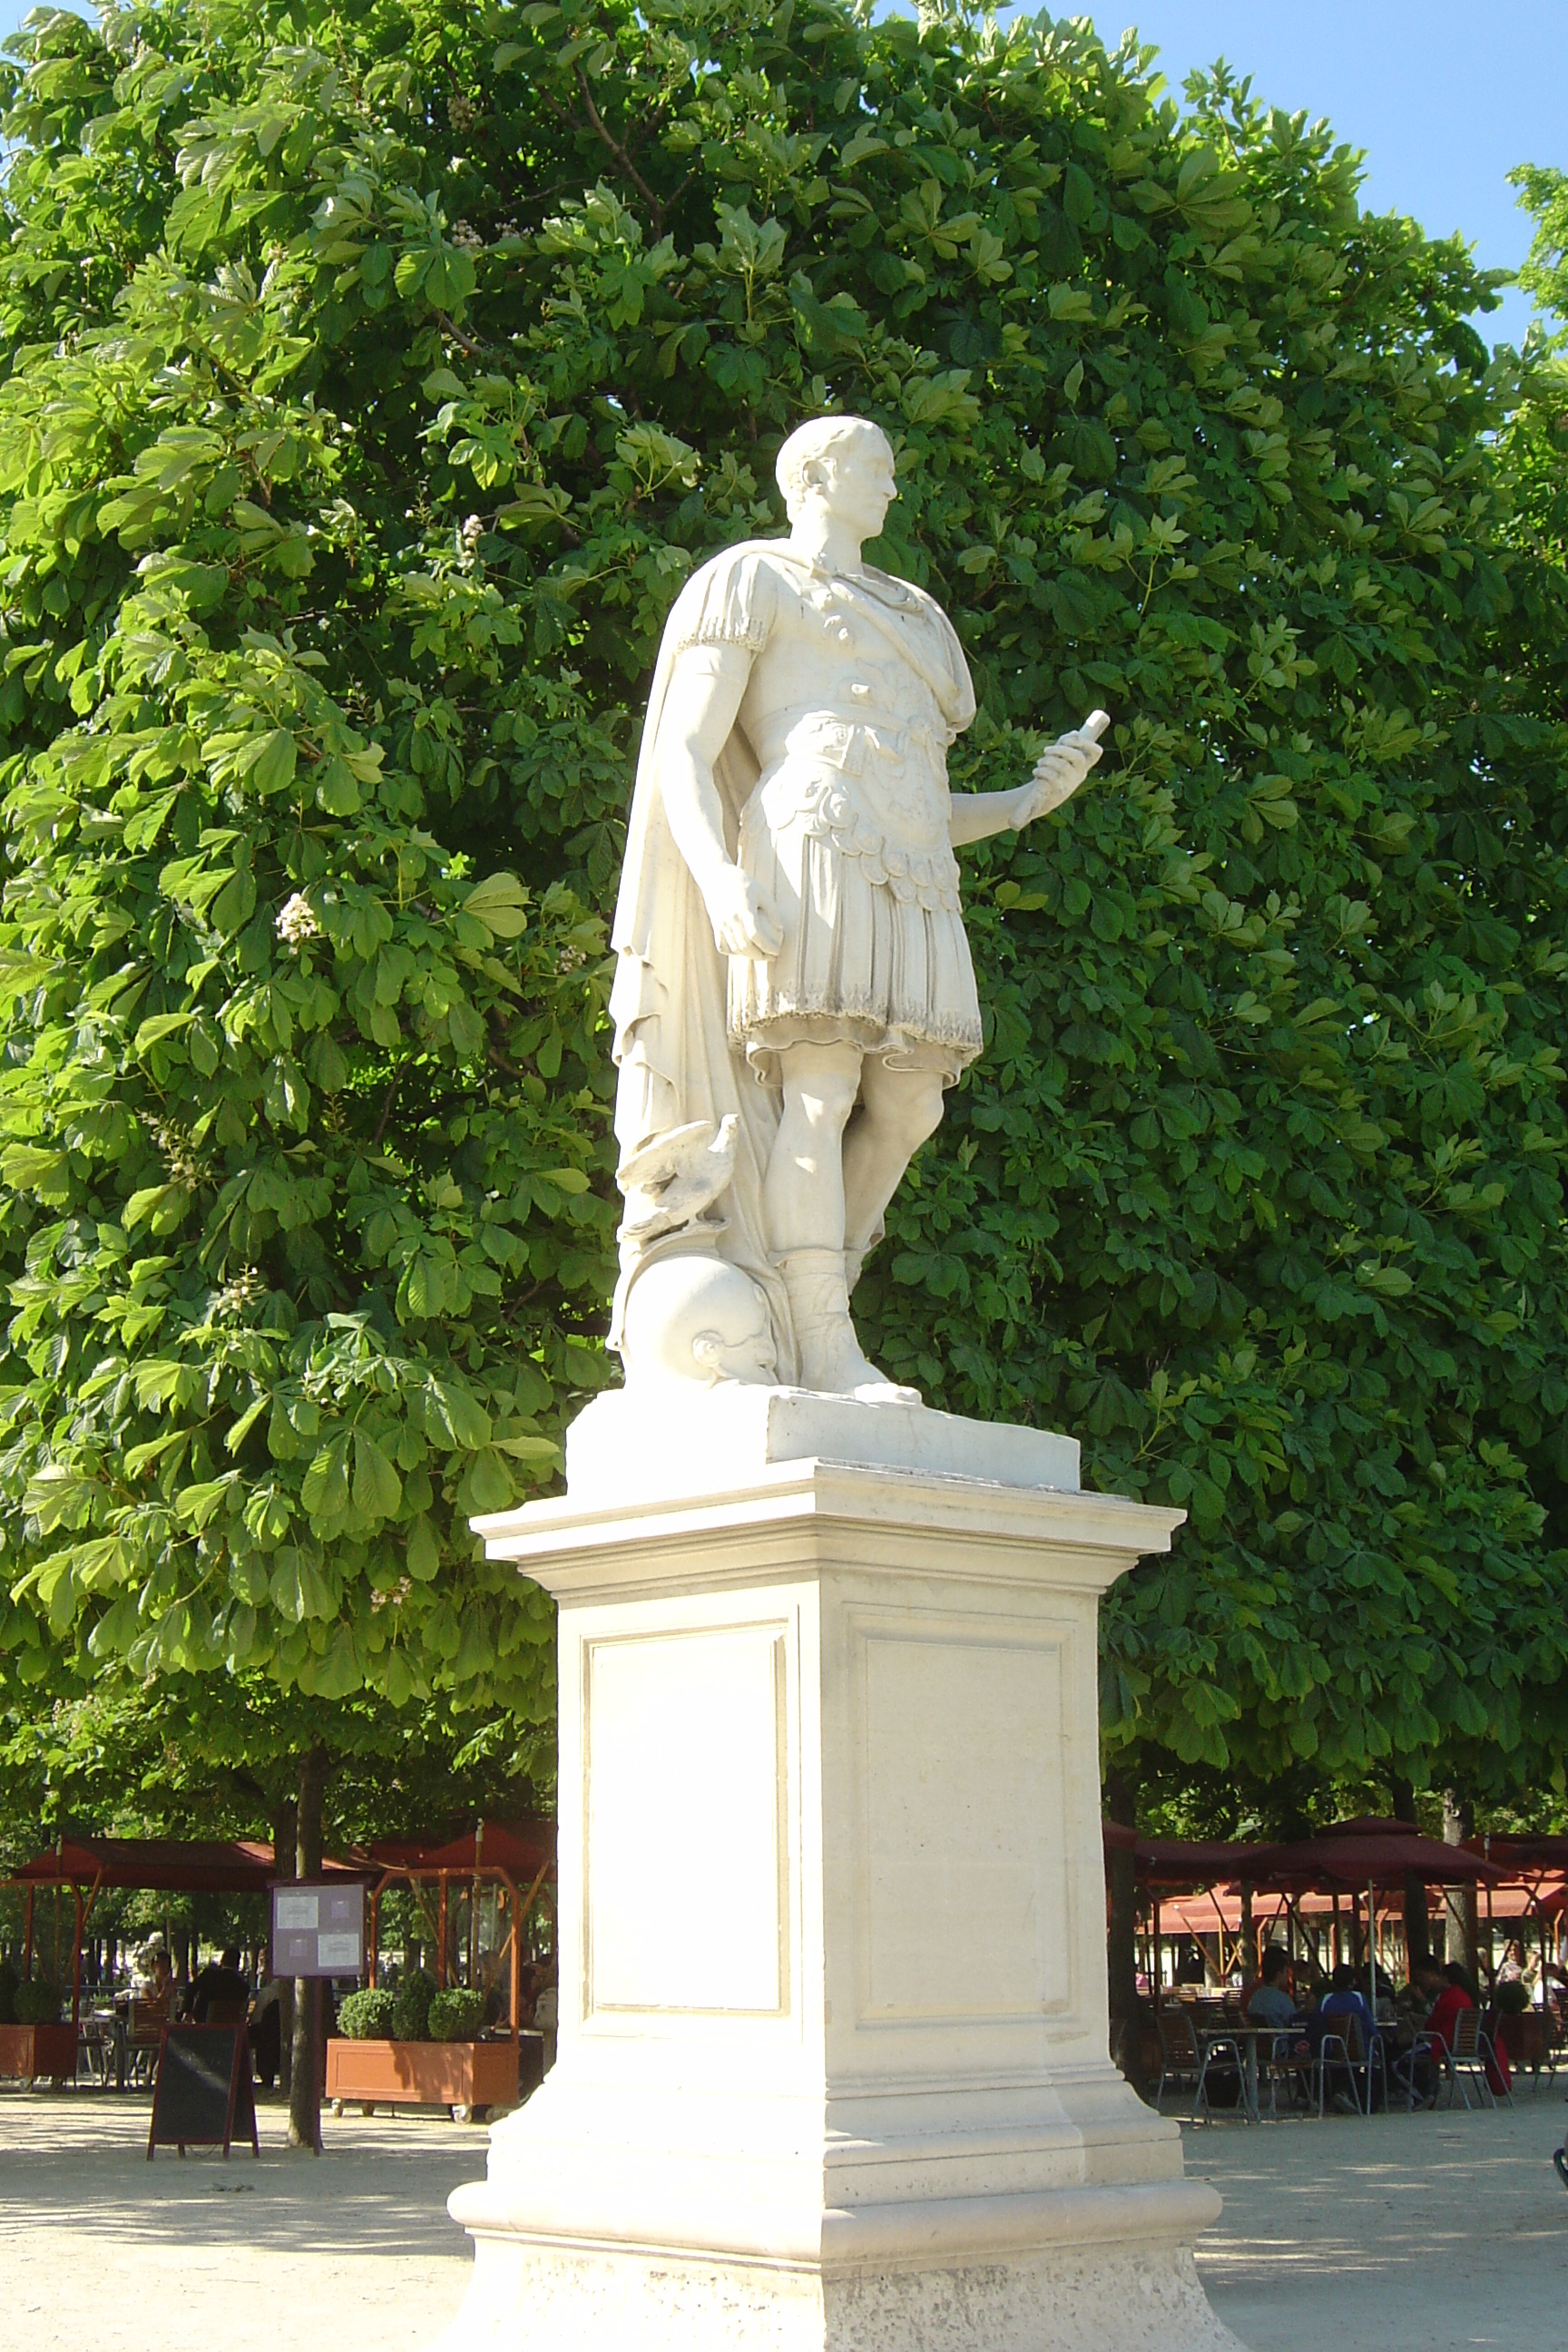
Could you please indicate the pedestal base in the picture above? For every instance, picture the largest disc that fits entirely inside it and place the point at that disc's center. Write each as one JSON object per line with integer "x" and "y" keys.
{"x": 833, "y": 2070}
{"x": 1113, "y": 2298}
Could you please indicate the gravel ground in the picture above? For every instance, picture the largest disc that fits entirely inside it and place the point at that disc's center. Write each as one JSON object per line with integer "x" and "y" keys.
{"x": 100, "y": 2249}
{"x": 1409, "y": 2234}
{"x": 1420, "y": 2233}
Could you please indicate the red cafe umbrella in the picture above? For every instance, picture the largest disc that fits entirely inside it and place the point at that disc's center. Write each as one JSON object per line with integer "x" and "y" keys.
{"x": 1173, "y": 1864}
{"x": 1365, "y": 1853}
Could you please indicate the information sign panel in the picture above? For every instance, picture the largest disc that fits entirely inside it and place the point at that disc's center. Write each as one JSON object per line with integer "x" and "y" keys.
{"x": 318, "y": 1929}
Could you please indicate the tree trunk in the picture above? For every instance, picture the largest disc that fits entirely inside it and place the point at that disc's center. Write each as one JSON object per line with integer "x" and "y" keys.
{"x": 1417, "y": 1938}
{"x": 1122, "y": 1947}
{"x": 304, "y": 2078}
{"x": 1461, "y": 1937}
{"x": 285, "y": 1831}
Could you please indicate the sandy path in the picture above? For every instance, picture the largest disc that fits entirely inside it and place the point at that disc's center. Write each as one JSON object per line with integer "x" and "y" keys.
{"x": 100, "y": 2249}
{"x": 1423, "y": 2234}
{"x": 1405, "y": 2233}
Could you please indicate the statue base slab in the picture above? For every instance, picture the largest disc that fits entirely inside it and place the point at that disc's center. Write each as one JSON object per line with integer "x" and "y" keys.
{"x": 680, "y": 1441}
{"x": 831, "y": 2065}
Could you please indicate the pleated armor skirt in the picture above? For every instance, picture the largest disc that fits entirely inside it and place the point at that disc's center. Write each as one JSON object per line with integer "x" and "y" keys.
{"x": 874, "y": 952}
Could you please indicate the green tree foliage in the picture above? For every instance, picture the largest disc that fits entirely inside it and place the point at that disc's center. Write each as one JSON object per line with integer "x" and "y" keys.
{"x": 186, "y": 1754}
{"x": 1536, "y": 437}
{"x": 383, "y": 369}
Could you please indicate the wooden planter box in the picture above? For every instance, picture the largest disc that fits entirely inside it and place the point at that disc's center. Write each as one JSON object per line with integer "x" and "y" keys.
{"x": 470, "y": 2075}
{"x": 28, "y": 2053}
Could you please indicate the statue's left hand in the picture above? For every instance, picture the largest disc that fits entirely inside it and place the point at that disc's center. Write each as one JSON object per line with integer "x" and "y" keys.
{"x": 1060, "y": 771}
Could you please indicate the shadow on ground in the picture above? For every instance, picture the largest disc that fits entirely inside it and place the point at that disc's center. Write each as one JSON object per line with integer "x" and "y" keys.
{"x": 76, "y": 2159}
{"x": 1415, "y": 2233}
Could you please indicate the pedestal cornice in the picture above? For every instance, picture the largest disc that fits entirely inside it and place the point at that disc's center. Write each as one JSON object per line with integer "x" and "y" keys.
{"x": 801, "y": 1514}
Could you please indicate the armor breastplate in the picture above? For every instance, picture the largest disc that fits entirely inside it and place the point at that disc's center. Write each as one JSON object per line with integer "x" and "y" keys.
{"x": 859, "y": 754}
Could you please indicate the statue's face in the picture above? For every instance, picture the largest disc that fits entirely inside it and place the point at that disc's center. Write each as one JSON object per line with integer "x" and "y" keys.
{"x": 857, "y": 483}
{"x": 743, "y": 1351}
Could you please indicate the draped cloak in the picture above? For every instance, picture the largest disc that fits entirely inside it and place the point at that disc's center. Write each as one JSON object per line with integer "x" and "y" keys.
{"x": 676, "y": 1064}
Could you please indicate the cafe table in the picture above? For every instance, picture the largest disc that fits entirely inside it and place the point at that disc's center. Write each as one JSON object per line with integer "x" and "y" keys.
{"x": 1238, "y": 2038}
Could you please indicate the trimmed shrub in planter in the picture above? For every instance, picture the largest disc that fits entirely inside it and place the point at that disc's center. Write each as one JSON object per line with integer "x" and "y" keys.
{"x": 471, "y": 2075}
{"x": 411, "y": 2007}
{"x": 368, "y": 2016}
{"x": 456, "y": 2015}
{"x": 8, "y": 1982}
{"x": 38, "y": 2002}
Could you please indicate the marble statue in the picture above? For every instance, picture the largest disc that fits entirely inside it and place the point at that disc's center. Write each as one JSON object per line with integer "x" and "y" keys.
{"x": 827, "y": 1656}
{"x": 794, "y": 992}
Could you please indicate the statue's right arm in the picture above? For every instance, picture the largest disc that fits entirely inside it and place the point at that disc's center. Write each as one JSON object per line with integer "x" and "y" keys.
{"x": 699, "y": 712}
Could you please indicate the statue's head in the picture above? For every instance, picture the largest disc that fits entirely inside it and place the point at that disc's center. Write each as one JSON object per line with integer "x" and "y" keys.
{"x": 844, "y": 462}
{"x": 694, "y": 1317}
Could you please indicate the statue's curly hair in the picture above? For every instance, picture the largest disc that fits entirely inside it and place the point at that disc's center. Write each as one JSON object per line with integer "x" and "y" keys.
{"x": 813, "y": 441}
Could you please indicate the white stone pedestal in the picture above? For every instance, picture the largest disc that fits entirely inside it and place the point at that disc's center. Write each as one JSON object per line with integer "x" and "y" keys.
{"x": 832, "y": 2071}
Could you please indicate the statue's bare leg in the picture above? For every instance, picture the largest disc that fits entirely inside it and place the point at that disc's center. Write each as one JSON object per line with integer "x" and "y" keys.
{"x": 802, "y": 1199}
{"x": 803, "y": 1192}
{"x": 898, "y": 1109}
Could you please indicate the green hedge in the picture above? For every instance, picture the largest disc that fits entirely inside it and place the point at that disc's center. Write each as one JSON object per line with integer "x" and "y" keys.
{"x": 456, "y": 2014}
{"x": 411, "y": 2007}
{"x": 368, "y": 2016}
{"x": 38, "y": 2002}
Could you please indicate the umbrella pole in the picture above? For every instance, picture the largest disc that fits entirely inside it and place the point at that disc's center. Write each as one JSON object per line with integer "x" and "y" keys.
{"x": 1371, "y": 1983}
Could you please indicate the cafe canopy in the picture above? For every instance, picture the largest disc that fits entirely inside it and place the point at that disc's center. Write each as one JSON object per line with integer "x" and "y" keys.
{"x": 1368, "y": 1852}
{"x": 516, "y": 1858}
{"x": 168, "y": 1866}
{"x": 1220, "y": 1886}
{"x": 172, "y": 1866}
{"x": 519, "y": 1857}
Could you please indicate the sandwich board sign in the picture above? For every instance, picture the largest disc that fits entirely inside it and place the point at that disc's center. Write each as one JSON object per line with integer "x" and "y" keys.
{"x": 203, "y": 2094}
{"x": 318, "y": 1927}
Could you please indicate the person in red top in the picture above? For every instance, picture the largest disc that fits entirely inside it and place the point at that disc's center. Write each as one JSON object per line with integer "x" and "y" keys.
{"x": 1458, "y": 1995}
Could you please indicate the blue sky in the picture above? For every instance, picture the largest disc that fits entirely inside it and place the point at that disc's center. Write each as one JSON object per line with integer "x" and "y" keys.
{"x": 1445, "y": 98}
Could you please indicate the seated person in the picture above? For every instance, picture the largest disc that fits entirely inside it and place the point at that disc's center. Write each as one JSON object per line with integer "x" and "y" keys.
{"x": 1455, "y": 1993}
{"x": 1458, "y": 1993}
{"x": 1344, "y": 1998}
{"x": 1274, "y": 2001}
{"x": 156, "y": 1995}
{"x": 220, "y": 1981}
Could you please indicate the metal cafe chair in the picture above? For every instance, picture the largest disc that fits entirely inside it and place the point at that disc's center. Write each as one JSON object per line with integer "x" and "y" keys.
{"x": 1181, "y": 2062}
{"x": 143, "y": 2035}
{"x": 1528, "y": 2043}
{"x": 1290, "y": 2061}
{"x": 1467, "y": 2058}
{"x": 1408, "y": 2065}
{"x": 1221, "y": 2050}
{"x": 1362, "y": 2066}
